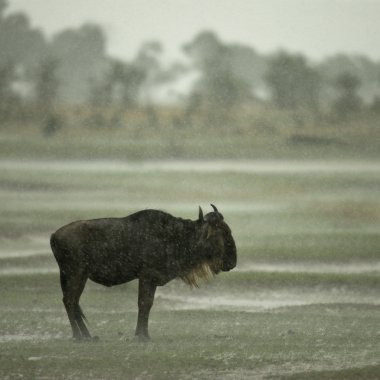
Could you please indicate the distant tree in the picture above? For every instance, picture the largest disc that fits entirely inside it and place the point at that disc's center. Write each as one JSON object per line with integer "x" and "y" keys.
{"x": 362, "y": 67}
{"x": 249, "y": 66}
{"x": 206, "y": 51}
{"x": 148, "y": 60}
{"x": 3, "y": 5}
{"x": 19, "y": 42}
{"x": 46, "y": 93}
{"x": 375, "y": 105}
{"x": 21, "y": 47}
{"x": 127, "y": 80}
{"x": 100, "y": 92}
{"x": 348, "y": 102}
{"x": 220, "y": 89}
{"x": 7, "y": 75}
{"x": 47, "y": 83}
{"x": 81, "y": 55}
{"x": 8, "y": 99}
{"x": 292, "y": 82}
{"x": 118, "y": 90}
{"x": 99, "y": 98}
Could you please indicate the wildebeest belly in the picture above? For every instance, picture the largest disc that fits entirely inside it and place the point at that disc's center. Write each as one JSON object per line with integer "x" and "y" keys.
{"x": 110, "y": 278}
{"x": 112, "y": 269}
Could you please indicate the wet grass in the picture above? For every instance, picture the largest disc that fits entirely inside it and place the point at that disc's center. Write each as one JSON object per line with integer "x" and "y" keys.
{"x": 322, "y": 246}
{"x": 34, "y": 201}
{"x": 201, "y": 344}
{"x": 259, "y": 133}
{"x": 367, "y": 372}
{"x": 242, "y": 325}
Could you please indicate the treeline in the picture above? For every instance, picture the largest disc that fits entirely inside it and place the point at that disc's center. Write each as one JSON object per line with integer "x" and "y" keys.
{"x": 216, "y": 83}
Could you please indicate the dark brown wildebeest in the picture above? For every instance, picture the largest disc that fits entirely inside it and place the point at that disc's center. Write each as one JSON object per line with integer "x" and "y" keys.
{"x": 150, "y": 245}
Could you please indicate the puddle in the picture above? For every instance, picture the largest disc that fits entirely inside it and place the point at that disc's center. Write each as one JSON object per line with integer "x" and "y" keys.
{"x": 26, "y": 246}
{"x": 261, "y": 301}
{"x": 9, "y": 253}
{"x": 5, "y": 338}
{"x": 178, "y": 302}
{"x": 213, "y": 166}
{"x": 20, "y": 271}
{"x": 319, "y": 268}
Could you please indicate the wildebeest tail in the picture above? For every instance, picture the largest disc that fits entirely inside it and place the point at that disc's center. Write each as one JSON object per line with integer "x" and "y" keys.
{"x": 53, "y": 242}
{"x": 55, "y": 247}
{"x": 82, "y": 314}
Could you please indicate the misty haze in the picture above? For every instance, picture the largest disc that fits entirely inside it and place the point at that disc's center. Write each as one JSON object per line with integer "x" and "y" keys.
{"x": 255, "y": 123}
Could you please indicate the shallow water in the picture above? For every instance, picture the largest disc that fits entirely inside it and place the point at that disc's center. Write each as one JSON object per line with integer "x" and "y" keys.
{"x": 241, "y": 166}
{"x": 341, "y": 268}
{"x": 29, "y": 337}
{"x": 262, "y": 300}
{"x": 12, "y": 253}
{"x": 20, "y": 271}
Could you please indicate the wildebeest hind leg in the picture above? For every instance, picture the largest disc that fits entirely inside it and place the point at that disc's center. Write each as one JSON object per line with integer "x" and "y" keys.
{"x": 145, "y": 302}
{"x": 72, "y": 287}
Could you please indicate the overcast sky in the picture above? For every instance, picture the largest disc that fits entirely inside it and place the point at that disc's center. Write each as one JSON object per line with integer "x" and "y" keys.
{"x": 317, "y": 28}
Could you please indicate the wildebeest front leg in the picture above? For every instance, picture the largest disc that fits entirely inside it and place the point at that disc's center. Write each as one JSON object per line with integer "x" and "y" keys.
{"x": 145, "y": 302}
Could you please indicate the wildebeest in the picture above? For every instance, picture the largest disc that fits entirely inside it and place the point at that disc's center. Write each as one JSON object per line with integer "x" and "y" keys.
{"x": 150, "y": 245}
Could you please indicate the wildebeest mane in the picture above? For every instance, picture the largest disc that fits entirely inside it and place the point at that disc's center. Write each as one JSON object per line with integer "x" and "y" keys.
{"x": 203, "y": 271}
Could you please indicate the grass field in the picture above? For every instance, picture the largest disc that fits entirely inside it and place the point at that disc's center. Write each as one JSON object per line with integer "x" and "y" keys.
{"x": 257, "y": 133}
{"x": 303, "y": 302}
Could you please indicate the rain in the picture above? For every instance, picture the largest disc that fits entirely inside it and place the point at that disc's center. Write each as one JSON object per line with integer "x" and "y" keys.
{"x": 261, "y": 117}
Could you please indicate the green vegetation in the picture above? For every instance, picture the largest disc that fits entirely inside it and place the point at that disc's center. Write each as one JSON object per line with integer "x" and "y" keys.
{"x": 262, "y": 133}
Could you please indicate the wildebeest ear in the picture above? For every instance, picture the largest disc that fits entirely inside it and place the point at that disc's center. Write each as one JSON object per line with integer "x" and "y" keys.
{"x": 200, "y": 217}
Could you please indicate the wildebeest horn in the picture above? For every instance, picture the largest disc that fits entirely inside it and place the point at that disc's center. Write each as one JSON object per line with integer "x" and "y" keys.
{"x": 215, "y": 209}
{"x": 200, "y": 214}
{"x": 216, "y": 213}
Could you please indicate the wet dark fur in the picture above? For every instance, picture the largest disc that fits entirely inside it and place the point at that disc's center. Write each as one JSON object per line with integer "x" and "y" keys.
{"x": 150, "y": 245}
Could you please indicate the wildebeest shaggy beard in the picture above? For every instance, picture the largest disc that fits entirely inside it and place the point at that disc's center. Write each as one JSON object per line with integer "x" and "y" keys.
{"x": 150, "y": 245}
